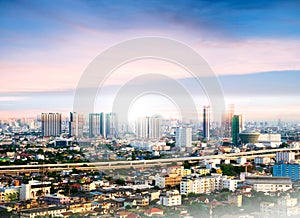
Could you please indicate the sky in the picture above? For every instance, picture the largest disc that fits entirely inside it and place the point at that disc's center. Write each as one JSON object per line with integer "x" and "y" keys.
{"x": 253, "y": 47}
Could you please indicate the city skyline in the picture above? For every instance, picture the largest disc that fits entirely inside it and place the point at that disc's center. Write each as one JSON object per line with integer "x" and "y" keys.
{"x": 45, "y": 49}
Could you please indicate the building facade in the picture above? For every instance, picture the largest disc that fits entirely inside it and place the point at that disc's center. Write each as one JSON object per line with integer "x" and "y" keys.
{"x": 171, "y": 198}
{"x": 236, "y": 128}
{"x": 206, "y": 122}
{"x": 183, "y": 137}
{"x": 285, "y": 157}
{"x": 148, "y": 128}
{"x": 76, "y": 124}
{"x": 51, "y": 124}
{"x": 290, "y": 170}
{"x": 97, "y": 125}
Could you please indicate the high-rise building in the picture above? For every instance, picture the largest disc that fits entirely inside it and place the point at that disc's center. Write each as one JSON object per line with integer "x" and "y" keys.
{"x": 51, "y": 124}
{"x": 148, "y": 128}
{"x": 237, "y": 128}
{"x": 227, "y": 121}
{"x": 97, "y": 125}
{"x": 290, "y": 170}
{"x": 111, "y": 123}
{"x": 76, "y": 124}
{"x": 285, "y": 157}
{"x": 105, "y": 125}
{"x": 206, "y": 122}
{"x": 183, "y": 137}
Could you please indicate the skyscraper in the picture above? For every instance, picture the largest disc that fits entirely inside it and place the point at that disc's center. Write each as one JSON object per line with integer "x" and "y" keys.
{"x": 227, "y": 121}
{"x": 97, "y": 125}
{"x": 148, "y": 128}
{"x": 76, "y": 124}
{"x": 51, "y": 124}
{"x": 111, "y": 126}
{"x": 206, "y": 122}
{"x": 236, "y": 128}
{"x": 183, "y": 137}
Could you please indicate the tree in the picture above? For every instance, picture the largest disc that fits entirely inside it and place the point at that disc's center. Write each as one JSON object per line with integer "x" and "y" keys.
{"x": 283, "y": 145}
{"x": 186, "y": 164}
{"x": 227, "y": 169}
{"x": 120, "y": 182}
{"x": 39, "y": 193}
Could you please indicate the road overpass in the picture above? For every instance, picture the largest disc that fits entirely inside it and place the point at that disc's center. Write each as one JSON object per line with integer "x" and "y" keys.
{"x": 250, "y": 155}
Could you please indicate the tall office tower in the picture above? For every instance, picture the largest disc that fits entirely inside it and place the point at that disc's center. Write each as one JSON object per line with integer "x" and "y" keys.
{"x": 227, "y": 121}
{"x": 111, "y": 126}
{"x": 236, "y": 128}
{"x": 148, "y": 128}
{"x": 51, "y": 124}
{"x": 206, "y": 122}
{"x": 76, "y": 124}
{"x": 183, "y": 137}
{"x": 97, "y": 125}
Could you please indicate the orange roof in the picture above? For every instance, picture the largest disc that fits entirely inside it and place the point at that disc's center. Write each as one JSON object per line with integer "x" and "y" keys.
{"x": 132, "y": 215}
{"x": 153, "y": 210}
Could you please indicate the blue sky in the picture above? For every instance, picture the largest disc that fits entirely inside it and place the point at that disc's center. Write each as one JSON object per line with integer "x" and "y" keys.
{"x": 253, "y": 46}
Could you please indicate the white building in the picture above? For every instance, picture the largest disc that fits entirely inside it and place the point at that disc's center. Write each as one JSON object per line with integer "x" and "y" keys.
{"x": 285, "y": 156}
{"x": 183, "y": 137}
{"x": 262, "y": 160}
{"x": 150, "y": 145}
{"x": 231, "y": 184}
{"x": 209, "y": 184}
{"x": 285, "y": 207}
{"x": 241, "y": 160}
{"x": 148, "y": 128}
{"x": 270, "y": 139}
{"x": 287, "y": 201}
{"x": 34, "y": 189}
{"x": 88, "y": 186}
{"x": 269, "y": 183}
{"x": 172, "y": 198}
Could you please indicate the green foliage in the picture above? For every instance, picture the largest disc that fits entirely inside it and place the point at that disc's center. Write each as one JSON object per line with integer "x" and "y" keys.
{"x": 186, "y": 164}
{"x": 120, "y": 182}
{"x": 228, "y": 169}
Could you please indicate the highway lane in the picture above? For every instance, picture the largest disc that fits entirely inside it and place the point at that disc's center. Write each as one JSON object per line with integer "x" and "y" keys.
{"x": 142, "y": 163}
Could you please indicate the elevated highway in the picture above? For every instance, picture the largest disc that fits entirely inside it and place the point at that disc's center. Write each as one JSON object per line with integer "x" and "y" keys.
{"x": 250, "y": 155}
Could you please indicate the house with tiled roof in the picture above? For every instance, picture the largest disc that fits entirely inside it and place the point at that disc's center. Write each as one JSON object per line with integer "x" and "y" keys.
{"x": 153, "y": 211}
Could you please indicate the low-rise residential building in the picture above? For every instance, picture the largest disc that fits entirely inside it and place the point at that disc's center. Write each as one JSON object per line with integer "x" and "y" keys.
{"x": 81, "y": 207}
{"x": 175, "y": 170}
{"x": 208, "y": 184}
{"x": 167, "y": 180}
{"x": 43, "y": 212}
{"x": 203, "y": 171}
{"x": 9, "y": 194}
{"x": 262, "y": 160}
{"x": 236, "y": 199}
{"x": 171, "y": 198}
{"x": 88, "y": 186}
{"x": 34, "y": 189}
{"x": 230, "y": 184}
{"x": 269, "y": 183}
{"x": 287, "y": 201}
{"x": 285, "y": 207}
{"x": 154, "y": 212}
{"x": 57, "y": 199}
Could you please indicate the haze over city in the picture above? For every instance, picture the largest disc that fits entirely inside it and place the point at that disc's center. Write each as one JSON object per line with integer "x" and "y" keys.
{"x": 252, "y": 47}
